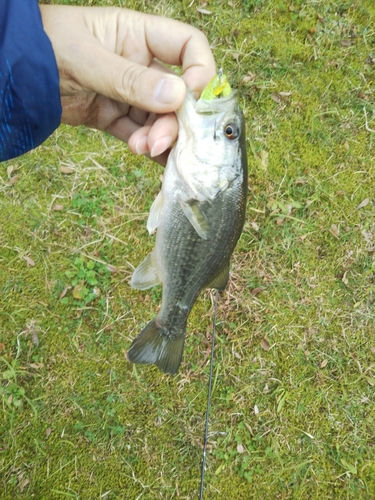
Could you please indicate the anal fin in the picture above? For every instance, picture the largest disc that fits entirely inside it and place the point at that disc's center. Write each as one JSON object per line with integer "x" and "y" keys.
{"x": 146, "y": 275}
{"x": 220, "y": 280}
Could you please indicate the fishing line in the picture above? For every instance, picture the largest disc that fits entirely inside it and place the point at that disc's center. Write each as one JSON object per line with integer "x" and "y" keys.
{"x": 208, "y": 399}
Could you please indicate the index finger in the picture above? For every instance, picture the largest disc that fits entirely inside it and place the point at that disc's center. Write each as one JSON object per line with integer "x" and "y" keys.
{"x": 173, "y": 42}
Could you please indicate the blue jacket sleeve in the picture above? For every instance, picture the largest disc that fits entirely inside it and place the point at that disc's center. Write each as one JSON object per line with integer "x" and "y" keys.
{"x": 30, "y": 108}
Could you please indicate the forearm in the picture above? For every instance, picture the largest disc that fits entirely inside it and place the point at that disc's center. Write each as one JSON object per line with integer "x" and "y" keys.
{"x": 30, "y": 108}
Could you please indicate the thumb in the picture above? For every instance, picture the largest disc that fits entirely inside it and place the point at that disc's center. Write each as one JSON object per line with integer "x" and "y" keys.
{"x": 143, "y": 87}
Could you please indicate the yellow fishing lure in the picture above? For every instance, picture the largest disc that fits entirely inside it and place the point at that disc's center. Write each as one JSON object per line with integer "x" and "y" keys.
{"x": 218, "y": 87}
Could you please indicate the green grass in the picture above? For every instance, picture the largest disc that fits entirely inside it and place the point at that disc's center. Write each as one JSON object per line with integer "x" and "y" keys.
{"x": 293, "y": 406}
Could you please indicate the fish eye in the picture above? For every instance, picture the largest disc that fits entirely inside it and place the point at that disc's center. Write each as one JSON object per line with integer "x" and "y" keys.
{"x": 231, "y": 131}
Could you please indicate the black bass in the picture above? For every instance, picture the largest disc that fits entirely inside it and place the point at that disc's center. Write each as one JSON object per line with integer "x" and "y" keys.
{"x": 199, "y": 215}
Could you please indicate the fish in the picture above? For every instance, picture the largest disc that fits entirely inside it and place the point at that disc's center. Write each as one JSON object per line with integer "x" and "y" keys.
{"x": 198, "y": 217}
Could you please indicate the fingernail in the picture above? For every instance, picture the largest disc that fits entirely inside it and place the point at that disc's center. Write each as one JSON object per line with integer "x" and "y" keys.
{"x": 141, "y": 146}
{"x": 161, "y": 145}
{"x": 169, "y": 89}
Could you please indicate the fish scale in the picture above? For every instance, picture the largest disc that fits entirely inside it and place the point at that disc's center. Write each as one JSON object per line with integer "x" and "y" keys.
{"x": 201, "y": 257}
{"x": 199, "y": 216}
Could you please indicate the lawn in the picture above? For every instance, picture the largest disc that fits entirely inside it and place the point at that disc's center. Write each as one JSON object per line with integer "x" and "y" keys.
{"x": 293, "y": 403}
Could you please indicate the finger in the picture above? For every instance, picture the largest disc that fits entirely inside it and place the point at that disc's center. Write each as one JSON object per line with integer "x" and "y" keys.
{"x": 123, "y": 80}
{"x": 139, "y": 116}
{"x": 155, "y": 64}
{"x": 178, "y": 43}
{"x": 124, "y": 128}
{"x": 138, "y": 142}
{"x": 143, "y": 117}
{"x": 163, "y": 134}
{"x": 128, "y": 130}
{"x": 92, "y": 110}
{"x": 162, "y": 159}
{"x": 155, "y": 138}
{"x": 125, "y": 77}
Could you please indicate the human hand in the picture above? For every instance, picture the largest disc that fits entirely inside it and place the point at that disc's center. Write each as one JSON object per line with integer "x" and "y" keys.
{"x": 110, "y": 79}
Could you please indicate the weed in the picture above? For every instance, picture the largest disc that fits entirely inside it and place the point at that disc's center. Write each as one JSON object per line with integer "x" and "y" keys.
{"x": 13, "y": 394}
{"x": 92, "y": 203}
{"x": 89, "y": 280}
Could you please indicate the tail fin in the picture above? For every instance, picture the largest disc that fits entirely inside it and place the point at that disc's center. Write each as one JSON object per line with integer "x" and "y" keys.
{"x": 154, "y": 346}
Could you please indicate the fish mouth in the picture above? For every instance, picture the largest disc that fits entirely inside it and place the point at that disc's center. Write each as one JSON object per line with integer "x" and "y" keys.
{"x": 192, "y": 111}
{"x": 209, "y": 106}
{"x": 216, "y": 105}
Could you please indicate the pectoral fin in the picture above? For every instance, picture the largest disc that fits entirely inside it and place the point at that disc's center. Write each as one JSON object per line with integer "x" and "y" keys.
{"x": 196, "y": 217}
{"x": 156, "y": 213}
{"x": 221, "y": 278}
{"x": 146, "y": 275}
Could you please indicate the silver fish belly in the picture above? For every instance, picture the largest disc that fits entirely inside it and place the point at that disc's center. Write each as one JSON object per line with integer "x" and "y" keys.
{"x": 199, "y": 215}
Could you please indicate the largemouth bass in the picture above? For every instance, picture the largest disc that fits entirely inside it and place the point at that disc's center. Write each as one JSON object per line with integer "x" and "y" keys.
{"x": 199, "y": 215}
